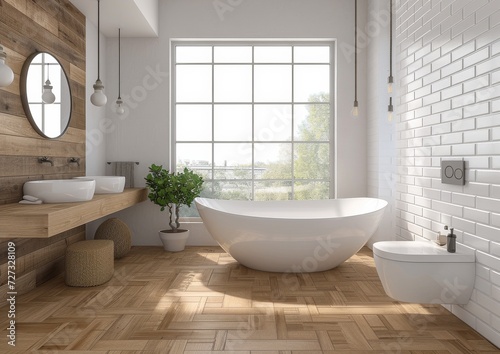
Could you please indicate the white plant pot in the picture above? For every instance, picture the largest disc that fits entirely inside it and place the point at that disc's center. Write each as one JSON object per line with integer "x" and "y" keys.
{"x": 174, "y": 241}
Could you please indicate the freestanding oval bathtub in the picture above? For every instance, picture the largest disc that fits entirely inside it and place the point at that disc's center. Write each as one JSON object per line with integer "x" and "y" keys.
{"x": 291, "y": 236}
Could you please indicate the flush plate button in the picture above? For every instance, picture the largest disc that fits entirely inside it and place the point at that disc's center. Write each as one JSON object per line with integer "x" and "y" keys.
{"x": 453, "y": 172}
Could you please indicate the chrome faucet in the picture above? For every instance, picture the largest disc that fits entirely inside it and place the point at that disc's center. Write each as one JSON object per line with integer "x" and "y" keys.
{"x": 44, "y": 159}
{"x": 74, "y": 160}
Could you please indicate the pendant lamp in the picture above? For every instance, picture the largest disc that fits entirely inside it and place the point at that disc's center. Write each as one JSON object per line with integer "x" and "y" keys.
{"x": 119, "y": 103}
{"x": 355, "y": 111}
{"x": 98, "y": 98}
{"x": 6, "y": 73}
{"x": 390, "y": 79}
{"x": 390, "y": 110}
{"x": 47, "y": 94}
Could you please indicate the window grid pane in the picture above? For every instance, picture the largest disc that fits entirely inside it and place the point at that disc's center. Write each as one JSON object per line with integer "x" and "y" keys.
{"x": 270, "y": 121}
{"x": 232, "y": 83}
{"x": 232, "y": 54}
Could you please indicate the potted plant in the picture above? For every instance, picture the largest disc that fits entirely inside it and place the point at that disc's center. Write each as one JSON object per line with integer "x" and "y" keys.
{"x": 172, "y": 190}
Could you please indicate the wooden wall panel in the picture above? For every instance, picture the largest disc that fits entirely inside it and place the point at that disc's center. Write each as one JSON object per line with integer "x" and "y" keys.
{"x": 57, "y": 27}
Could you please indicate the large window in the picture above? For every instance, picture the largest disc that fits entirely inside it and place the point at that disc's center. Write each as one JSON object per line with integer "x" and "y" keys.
{"x": 255, "y": 119}
{"x": 47, "y": 117}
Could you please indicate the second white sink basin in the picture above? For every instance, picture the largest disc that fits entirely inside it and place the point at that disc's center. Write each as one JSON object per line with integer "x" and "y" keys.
{"x": 107, "y": 184}
{"x": 61, "y": 190}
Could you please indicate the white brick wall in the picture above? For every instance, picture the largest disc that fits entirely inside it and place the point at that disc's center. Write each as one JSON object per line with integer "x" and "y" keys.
{"x": 381, "y": 150}
{"x": 448, "y": 70}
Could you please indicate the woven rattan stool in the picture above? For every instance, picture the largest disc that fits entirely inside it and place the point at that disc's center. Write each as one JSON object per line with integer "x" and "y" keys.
{"x": 116, "y": 230}
{"x": 89, "y": 263}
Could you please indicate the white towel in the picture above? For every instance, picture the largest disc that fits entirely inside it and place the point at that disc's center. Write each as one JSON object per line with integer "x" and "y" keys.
{"x": 30, "y": 198}
{"x": 39, "y": 201}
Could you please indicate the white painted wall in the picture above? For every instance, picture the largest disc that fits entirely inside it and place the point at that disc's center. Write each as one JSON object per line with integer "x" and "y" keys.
{"x": 95, "y": 143}
{"x": 95, "y": 116}
{"x": 142, "y": 134}
{"x": 381, "y": 146}
{"x": 448, "y": 59}
{"x": 149, "y": 9}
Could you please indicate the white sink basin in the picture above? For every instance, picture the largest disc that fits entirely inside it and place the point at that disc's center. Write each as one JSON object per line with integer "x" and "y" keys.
{"x": 107, "y": 184}
{"x": 61, "y": 190}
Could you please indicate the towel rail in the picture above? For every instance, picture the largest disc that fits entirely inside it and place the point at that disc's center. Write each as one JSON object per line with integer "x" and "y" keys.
{"x": 109, "y": 163}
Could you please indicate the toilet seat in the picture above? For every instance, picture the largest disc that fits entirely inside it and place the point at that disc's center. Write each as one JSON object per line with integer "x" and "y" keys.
{"x": 424, "y": 252}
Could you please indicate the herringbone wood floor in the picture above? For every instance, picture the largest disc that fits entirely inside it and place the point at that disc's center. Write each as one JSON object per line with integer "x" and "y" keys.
{"x": 202, "y": 301}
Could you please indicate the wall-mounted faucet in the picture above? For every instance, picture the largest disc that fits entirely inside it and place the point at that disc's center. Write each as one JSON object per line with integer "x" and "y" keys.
{"x": 44, "y": 159}
{"x": 74, "y": 160}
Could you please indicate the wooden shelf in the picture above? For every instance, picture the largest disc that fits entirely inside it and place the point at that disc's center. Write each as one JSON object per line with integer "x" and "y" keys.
{"x": 46, "y": 220}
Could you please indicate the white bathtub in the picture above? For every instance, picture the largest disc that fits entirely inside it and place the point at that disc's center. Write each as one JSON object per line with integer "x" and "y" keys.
{"x": 291, "y": 236}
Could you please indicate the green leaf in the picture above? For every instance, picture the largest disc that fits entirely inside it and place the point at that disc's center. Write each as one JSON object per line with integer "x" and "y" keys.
{"x": 167, "y": 189}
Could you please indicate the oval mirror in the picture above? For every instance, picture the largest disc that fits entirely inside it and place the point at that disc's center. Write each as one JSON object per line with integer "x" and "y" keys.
{"x": 46, "y": 95}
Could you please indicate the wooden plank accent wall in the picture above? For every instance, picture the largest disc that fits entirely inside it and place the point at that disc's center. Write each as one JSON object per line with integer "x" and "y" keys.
{"x": 57, "y": 27}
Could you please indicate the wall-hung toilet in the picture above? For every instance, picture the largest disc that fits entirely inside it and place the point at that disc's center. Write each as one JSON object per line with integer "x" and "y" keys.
{"x": 422, "y": 272}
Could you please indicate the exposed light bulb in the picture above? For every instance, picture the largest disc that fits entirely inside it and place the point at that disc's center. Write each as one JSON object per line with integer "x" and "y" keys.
{"x": 6, "y": 73}
{"x": 390, "y": 110}
{"x": 355, "y": 111}
{"x": 98, "y": 98}
{"x": 119, "y": 107}
{"x": 47, "y": 95}
{"x": 390, "y": 81}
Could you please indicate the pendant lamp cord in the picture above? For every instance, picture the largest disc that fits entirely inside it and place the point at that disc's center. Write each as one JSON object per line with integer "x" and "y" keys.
{"x": 98, "y": 38}
{"x": 390, "y": 40}
{"x": 355, "y": 50}
{"x": 119, "y": 63}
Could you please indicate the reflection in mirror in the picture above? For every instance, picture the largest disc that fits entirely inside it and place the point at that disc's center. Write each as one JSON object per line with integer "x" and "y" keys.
{"x": 50, "y": 118}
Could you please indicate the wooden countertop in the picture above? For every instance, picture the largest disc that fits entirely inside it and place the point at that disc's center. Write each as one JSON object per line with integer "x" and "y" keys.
{"x": 46, "y": 220}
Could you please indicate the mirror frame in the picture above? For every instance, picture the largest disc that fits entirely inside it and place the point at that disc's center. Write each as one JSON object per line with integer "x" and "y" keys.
{"x": 24, "y": 94}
